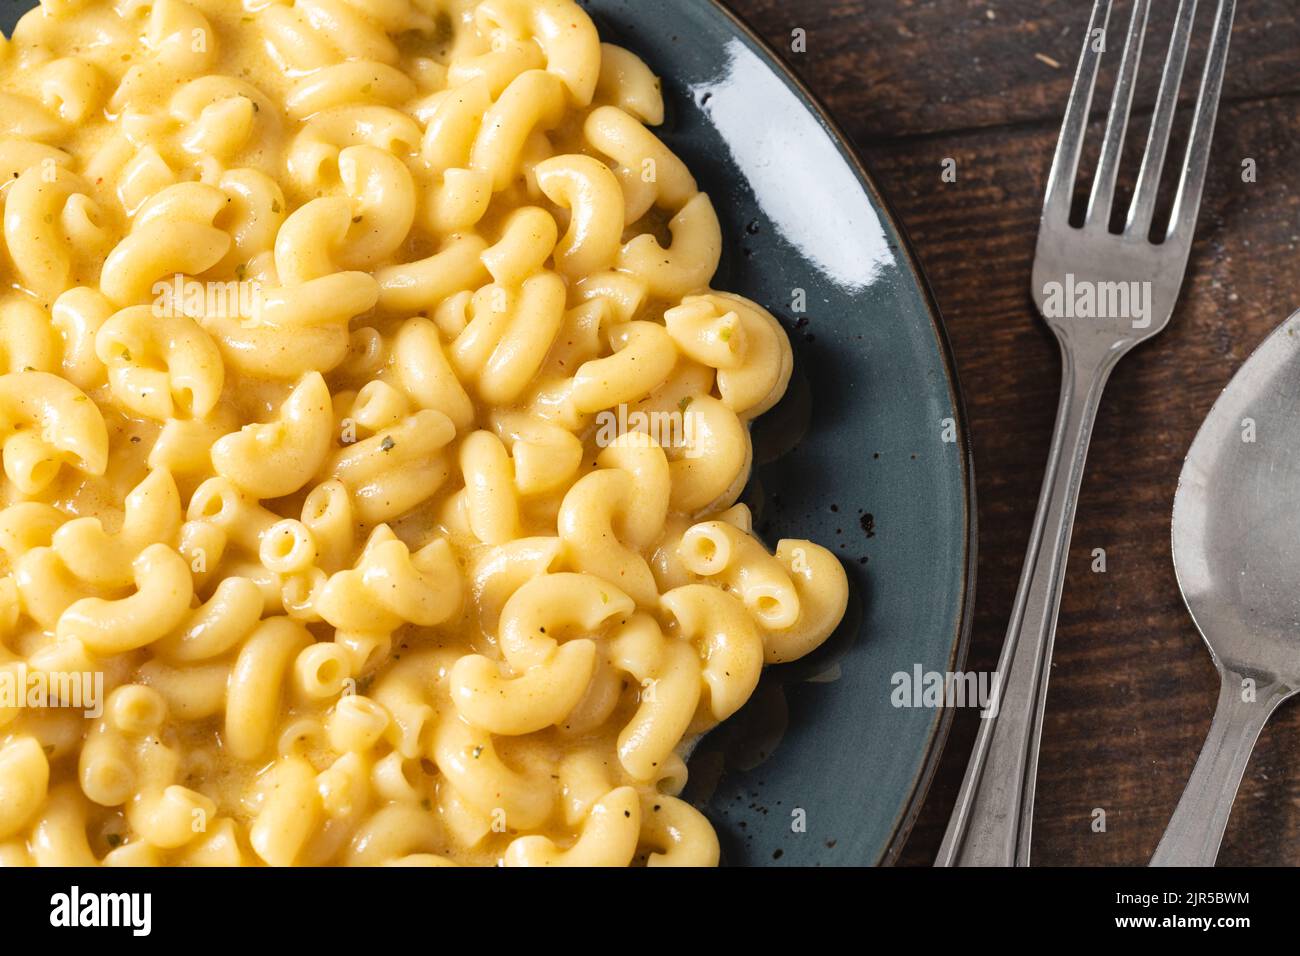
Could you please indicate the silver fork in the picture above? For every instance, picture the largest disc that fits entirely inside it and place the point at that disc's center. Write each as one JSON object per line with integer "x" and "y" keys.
{"x": 1134, "y": 285}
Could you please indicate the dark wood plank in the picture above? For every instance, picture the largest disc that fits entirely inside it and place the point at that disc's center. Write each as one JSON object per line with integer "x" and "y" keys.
{"x": 900, "y": 67}
{"x": 1132, "y": 686}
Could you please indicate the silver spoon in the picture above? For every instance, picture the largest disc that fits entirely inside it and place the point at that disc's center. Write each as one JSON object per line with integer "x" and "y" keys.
{"x": 1236, "y": 544}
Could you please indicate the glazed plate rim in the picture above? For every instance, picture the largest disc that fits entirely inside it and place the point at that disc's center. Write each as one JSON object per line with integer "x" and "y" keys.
{"x": 942, "y": 725}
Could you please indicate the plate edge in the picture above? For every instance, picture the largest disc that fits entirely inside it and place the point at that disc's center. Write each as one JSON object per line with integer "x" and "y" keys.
{"x": 965, "y": 619}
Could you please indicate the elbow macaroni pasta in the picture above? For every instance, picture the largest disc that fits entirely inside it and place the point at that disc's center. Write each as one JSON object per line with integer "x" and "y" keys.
{"x": 314, "y": 321}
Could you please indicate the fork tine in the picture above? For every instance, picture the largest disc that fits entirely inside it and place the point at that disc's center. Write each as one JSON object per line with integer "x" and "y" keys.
{"x": 1162, "y": 123}
{"x": 1188, "y": 201}
{"x": 1065, "y": 164}
{"x": 1112, "y": 147}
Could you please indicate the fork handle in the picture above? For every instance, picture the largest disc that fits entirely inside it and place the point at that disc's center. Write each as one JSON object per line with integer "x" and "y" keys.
{"x": 991, "y": 823}
{"x": 1196, "y": 828}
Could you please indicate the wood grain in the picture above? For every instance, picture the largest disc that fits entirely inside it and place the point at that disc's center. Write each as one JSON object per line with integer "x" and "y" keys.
{"x": 896, "y": 68}
{"x": 1132, "y": 687}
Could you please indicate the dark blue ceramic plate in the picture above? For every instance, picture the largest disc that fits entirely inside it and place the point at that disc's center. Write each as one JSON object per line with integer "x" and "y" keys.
{"x": 868, "y": 454}
{"x": 820, "y": 768}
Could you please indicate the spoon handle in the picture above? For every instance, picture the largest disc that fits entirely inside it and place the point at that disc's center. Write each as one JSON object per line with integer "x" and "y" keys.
{"x": 1196, "y": 829}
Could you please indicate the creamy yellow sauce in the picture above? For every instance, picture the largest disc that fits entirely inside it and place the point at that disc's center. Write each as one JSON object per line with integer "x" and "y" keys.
{"x": 427, "y": 550}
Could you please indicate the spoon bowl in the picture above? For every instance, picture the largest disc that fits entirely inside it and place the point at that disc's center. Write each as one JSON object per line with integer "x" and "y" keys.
{"x": 1236, "y": 549}
{"x": 1236, "y": 525}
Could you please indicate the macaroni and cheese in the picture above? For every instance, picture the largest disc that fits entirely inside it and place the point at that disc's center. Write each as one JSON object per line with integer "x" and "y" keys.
{"x": 370, "y": 425}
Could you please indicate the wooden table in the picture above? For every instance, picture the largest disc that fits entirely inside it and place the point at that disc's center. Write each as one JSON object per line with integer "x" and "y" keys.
{"x": 984, "y": 82}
